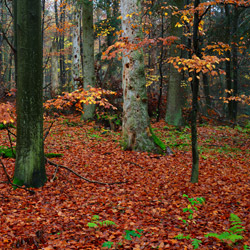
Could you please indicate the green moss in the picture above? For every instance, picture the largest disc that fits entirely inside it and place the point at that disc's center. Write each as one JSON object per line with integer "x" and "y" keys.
{"x": 17, "y": 182}
{"x": 53, "y": 155}
{"x": 157, "y": 141}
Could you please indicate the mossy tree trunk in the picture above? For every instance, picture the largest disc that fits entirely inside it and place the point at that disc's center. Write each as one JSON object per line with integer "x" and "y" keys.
{"x": 88, "y": 54}
{"x": 175, "y": 93}
{"x": 136, "y": 125}
{"x": 29, "y": 168}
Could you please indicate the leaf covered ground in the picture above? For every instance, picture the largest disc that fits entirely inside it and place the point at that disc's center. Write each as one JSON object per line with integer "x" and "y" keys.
{"x": 150, "y": 199}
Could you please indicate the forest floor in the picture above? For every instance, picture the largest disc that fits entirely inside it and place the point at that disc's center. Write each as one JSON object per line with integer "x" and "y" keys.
{"x": 71, "y": 213}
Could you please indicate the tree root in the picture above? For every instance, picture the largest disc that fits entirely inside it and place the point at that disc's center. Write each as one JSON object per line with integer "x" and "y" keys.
{"x": 70, "y": 170}
{"x": 11, "y": 183}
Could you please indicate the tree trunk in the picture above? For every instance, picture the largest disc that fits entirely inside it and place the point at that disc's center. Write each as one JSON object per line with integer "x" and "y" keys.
{"x": 88, "y": 54}
{"x": 54, "y": 70}
{"x": 235, "y": 59}
{"x": 195, "y": 90}
{"x": 61, "y": 46}
{"x": 76, "y": 67}
{"x": 29, "y": 168}
{"x": 174, "y": 95}
{"x": 136, "y": 125}
{"x": 14, "y": 8}
{"x": 228, "y": 63}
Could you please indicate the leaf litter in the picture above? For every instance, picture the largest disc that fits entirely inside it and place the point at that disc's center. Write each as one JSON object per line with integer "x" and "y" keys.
{"x": 151, "y": 199}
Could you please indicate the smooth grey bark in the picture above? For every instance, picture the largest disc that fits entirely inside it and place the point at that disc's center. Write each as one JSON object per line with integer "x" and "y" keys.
{"x": 136, "y": 124}
{"x": 61, "y": 46}
{"x": 88, "y": 54}
{"x": 76, "y": 51}
{"x": 54, "y": 70}
{"x": 175, "y": 93}
{"x": 30, "y": 166}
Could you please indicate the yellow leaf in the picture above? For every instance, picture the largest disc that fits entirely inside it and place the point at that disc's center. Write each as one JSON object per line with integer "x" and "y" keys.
{"x": 190, "y": 79}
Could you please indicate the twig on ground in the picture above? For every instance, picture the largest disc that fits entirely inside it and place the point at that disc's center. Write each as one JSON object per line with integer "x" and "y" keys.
{"x": 12, "y": 149}
{"x": 134, "y": 164}
{"x": 5, "y": 171}
{"x": 11, "y": 183}
{"x": 72, "y": 171}
{"x": 54, "y": 175}
{"x": 47, "y": 133}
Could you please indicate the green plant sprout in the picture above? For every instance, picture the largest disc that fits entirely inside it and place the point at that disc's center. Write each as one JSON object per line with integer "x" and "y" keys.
{"x": 127, "y": 236}
{"x": 95, "y": 222}
{"x": 233, "y": 234}
{"x": 191, "y": 207}
{"x": 133, "y": 233}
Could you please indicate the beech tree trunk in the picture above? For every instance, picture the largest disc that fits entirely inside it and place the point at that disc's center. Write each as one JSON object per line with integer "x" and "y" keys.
{"x": 54, "y": 70}
{"x": 88, "y": 54}
{"x": 76, "y": 67}
{"x": 174, "y": 95}
{"x": 136, "y": 125}
{"x": 29, "y": 168}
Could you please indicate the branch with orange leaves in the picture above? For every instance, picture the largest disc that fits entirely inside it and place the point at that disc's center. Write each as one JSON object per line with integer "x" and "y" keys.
{"x": 244, "y": 99}
{"x": 79, "y": 97}
{"x": 206, "y": 64}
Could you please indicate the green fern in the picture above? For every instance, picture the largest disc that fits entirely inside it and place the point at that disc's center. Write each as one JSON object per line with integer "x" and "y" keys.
{"x": 234, "y": 232}
{"x": 92, "y": 225}
{"x": 106, "y": 223}
{"x": 95, "y": 217}
{"x": 107, "y": 244}
{"x": 196, "y": 243}
{"x": 133, "y": 233}
{"x": 182, "y": 237}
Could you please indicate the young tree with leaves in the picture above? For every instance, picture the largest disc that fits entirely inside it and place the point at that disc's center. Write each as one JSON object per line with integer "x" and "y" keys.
{"x": 30, "y": 166}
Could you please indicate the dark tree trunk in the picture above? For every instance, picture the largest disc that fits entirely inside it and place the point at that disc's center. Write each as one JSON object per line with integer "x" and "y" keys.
{"x": 195, "y": 90}
{"x": 30, "y": 166}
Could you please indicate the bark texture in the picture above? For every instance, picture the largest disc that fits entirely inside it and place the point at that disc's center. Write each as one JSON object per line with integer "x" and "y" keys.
{"x": 76, "y": 47}
{"x": 136, "y": 131}
{"x": 88, "y": 54}
{"x": 54, "y": 70}
{"x": 174, "y": 95}
{"x": 29, "y": 168}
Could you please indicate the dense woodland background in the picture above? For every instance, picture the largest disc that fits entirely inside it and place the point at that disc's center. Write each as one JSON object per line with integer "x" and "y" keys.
{"x": 146, "y": 114}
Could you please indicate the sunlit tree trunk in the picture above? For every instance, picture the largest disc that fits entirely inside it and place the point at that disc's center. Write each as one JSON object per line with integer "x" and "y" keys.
{"x": 76, "y": 67}
{"x": 175, "y": 93}
{"x": 136, "y": 131}
{"x": 29, "y": 168}
{"x": 88, "y": 54}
